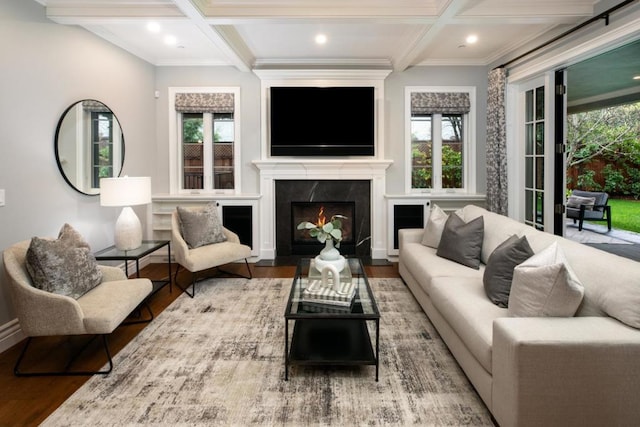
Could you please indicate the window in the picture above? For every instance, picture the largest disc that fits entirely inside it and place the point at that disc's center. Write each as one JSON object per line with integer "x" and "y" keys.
{"x": 101, "y": 147}
{"x": 440, "y": 158}
{"x": 534, "y": 157}
{"x": 204, "y": 139}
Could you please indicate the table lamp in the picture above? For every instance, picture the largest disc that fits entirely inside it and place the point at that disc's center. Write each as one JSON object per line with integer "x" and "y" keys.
{"x": 126, "y": 191}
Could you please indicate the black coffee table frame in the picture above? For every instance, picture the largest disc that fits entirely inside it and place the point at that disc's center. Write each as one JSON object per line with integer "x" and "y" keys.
{"x": 331, "y": 335}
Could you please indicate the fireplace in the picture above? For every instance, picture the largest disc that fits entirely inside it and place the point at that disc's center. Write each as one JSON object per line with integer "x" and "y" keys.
{"x": 300, "y": 200}
{"x": 321, "y": 213}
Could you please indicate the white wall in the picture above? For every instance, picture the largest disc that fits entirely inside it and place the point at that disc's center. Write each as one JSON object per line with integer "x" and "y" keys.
{"x": 45, "y": 68}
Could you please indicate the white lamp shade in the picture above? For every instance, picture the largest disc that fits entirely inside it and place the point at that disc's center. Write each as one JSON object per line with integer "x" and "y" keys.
{"x": 125, "y": 191}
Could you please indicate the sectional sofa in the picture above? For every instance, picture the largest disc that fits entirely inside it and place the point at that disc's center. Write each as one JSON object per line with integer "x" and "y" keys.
{"x": 581, "y": 370}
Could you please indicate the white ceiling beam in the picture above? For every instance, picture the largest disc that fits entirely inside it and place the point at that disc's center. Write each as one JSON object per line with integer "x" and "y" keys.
{"x": 234, "y": 48}
{"x": 427, "y": 35}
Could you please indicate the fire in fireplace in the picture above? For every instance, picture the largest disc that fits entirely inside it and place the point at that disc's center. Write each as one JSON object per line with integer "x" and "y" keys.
{"x": 320, "y": 213}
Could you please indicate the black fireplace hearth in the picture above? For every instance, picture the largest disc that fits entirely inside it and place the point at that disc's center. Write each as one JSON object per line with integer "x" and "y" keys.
{"x": 301, "y": 200}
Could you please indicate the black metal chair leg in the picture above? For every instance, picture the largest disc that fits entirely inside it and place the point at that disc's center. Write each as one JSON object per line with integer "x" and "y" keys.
{"x": 192, "y": 285}
{"x": 135, "y": 322}
{"x": 19, "y": 373}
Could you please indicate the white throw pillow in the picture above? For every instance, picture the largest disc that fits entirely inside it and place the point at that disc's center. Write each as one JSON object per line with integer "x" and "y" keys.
{"x": 545, "y": 286}
{"x": 435, "y": 225}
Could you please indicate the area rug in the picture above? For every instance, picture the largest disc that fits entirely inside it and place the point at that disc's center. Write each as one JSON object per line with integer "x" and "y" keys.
{"x": 218, "y": 359}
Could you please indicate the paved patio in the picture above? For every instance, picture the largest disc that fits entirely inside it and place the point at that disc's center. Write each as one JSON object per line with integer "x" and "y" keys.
{"x": 595, "y": 233}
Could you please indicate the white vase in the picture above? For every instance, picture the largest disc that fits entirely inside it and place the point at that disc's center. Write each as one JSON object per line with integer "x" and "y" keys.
{"x": 329, "y": 255}
{"x": 329, "y": 252}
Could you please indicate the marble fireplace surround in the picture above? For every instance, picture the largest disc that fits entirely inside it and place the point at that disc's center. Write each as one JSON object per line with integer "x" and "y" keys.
{"x": 372, "y": 170}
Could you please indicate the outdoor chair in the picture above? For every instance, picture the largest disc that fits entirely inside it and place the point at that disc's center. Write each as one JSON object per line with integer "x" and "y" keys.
{"x": 590, "y": 206}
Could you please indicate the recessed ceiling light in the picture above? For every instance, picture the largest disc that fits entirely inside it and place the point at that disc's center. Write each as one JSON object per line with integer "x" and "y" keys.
{"x": 170, "y": 40}
{"x": 154, "y": 27}
{"x": 321, "y": 39}
{"x": 636, "y": 77}
{"x": 471, "y": 39}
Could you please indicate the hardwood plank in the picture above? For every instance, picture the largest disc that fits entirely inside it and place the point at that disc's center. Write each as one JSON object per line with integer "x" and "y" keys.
{"x": 28, "y": 401}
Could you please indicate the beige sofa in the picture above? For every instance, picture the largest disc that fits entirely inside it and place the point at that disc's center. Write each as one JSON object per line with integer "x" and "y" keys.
{"x": 544, "y": 371}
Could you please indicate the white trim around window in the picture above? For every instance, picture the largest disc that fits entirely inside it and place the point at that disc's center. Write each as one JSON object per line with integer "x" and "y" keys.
{"x": 469, "y": 141}
{"x": 175, "y": 147}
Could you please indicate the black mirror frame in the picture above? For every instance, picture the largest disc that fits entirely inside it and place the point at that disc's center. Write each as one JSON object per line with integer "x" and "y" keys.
{"x": 56, "y": 144}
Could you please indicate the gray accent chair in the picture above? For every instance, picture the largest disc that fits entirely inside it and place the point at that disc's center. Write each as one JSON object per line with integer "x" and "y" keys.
{"x": 203, "y": 258}
{"x": 98, "y": 312}
{"x": 601, "y": 211}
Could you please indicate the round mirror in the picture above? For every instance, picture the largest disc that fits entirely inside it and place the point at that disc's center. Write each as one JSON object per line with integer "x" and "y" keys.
{"x": 89, "y": 145}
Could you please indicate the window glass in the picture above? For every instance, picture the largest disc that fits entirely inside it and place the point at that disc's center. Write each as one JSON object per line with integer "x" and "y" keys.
{"x": 223, "y": 137}
{"x": 452, "y": 151}
{"x": 421, "y": 151}
{"x": 101, "y": 147}
{"x": 192, "y": 151}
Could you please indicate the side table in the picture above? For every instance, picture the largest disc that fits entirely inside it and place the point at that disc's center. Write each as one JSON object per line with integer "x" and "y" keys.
{"x": 148, "y": 246}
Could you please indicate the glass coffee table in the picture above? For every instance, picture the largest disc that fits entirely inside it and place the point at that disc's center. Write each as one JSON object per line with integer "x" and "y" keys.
{"x": 328, "y": 334}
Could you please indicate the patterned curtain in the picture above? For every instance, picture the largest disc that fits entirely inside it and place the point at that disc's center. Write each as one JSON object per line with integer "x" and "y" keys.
{"x": 497, "y": 197}
{"x": 440, "y": 103}
{"x": 204, "y": 102}
{"x": 95, "y": 106}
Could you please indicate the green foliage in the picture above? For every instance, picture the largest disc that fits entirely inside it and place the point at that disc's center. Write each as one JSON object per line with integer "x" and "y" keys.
{"x": 192, "y": 130}
{"x": 586, "y": 181}
{"x": 613, "y": 136}
{"x": 614, "y": 182}
{"x": 322, "y": 232}
{"x": 421, "y": 171}
{"x": 451, "y": 167}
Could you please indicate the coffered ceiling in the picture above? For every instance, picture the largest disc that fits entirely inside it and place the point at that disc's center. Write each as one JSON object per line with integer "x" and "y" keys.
{"x": 251, "y": 34}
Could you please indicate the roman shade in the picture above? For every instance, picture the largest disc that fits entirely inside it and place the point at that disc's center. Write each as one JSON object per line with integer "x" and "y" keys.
{"x": 440, "y": 103}
{"x": 204, "y": 102}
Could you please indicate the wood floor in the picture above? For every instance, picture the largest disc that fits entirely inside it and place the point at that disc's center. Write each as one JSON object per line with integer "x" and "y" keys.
{"x": 28, "y": 401}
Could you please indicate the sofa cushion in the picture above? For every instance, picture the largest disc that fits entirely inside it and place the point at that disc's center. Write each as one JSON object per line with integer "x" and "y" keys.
{"x": 201, "y": 226}
{"x": 425, "y": 265}
{"x": 498, "y": 274}
{"x": 545, "y": 286}
{"x": 63, "y": 266}
{"x": 462, "y": 242}
{"x": 497, "y": 228}
{"x": 434, "y": 227}
{"x": 463, "y": 303}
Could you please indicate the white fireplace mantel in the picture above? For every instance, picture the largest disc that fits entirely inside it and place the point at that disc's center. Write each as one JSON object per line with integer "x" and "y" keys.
{"x": 373, "y": 170}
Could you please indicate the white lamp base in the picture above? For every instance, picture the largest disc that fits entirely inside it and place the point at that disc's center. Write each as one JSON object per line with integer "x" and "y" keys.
{"x": 128, "y": 230}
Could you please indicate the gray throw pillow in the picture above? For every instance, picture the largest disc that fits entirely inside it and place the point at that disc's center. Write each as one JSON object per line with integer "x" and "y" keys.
{"x": 201, "y": 226}
{"x": 576, "y": 201}
{"x": 462, "y": 242}
{"x": 498, "y": 273}
{"x": 64, "y": 266}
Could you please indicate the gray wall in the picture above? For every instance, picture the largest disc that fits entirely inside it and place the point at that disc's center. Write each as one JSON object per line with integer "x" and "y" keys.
{"x": 45, "y": 68}
{"x": 249, "y": 85}
{"x": 394, "y": 120}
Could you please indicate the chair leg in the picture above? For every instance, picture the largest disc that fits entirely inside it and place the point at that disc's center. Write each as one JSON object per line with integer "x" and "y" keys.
{"x": 248, "y": 276}
{"x": 66, "y": 372}
{"x": 149, "y": 319}
{"x": 192, "y": 285}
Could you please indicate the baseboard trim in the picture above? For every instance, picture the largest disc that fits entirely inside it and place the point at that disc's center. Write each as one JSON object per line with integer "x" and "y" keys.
{"x": 10, "y": 335}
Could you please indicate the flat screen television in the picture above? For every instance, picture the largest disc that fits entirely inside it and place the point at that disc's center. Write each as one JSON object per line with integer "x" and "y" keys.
{"x": 322, "y": 121}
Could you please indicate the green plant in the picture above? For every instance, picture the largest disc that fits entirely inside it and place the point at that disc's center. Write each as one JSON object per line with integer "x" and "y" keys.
{"x": 614, "y": 181}
{"x": 586, "y": 181}
{"x": 325, "y": 230}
